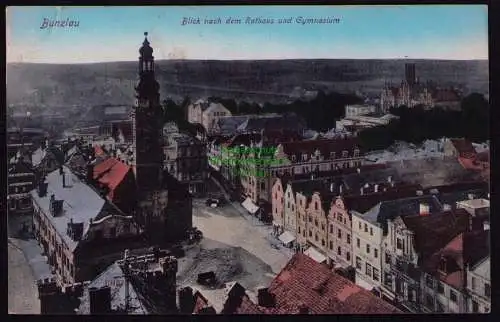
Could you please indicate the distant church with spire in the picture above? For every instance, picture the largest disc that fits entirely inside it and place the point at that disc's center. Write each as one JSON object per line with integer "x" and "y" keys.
{"x": 164, "y": 206}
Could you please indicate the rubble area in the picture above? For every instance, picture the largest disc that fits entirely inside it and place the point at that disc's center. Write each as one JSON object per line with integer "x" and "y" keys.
{"x": 228, "y": 263}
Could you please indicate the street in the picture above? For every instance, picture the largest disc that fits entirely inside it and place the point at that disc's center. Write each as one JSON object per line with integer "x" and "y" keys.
{"x": 232, "y": 225}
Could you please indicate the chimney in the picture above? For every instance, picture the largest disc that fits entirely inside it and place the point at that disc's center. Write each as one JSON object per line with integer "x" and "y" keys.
{"x": 375, "y": 188}
{"x": 424, "y": 209}
{"x": 186, "y": 300}
{"x": 100, "y": 300}
{"x": 265, "y": 298}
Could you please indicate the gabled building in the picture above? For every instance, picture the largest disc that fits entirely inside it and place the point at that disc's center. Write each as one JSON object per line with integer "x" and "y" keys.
{"x": 207, "y": 114}
{"x": 370, "y": 228}
{"x": 445, "y": 280}
{"x": 408, "y": 246}
{"x": 79, "y": 231}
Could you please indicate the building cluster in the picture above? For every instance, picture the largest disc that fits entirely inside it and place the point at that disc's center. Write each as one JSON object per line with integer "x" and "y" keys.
{"x": 146, "y": 284}
{"x": 363, "y": 116}
{"x": 91, "y": 199}
{"x": 391, "y": 236}
{"x": 411, "y": 92}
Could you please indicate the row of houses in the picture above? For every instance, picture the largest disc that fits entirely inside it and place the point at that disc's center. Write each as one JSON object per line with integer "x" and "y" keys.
{"x": 384, "y": 231}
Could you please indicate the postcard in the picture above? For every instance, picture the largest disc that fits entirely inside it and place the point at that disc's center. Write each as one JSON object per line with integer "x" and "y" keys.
{"x": 248, "y": 159}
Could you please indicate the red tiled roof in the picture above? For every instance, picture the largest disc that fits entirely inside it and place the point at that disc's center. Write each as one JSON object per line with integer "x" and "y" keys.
{"x": 98, "y": 150}
{"x": 304, "y": 282}
{"x": 325, "y": 146}
{"x": 200, "y": 302}
{"x": 443, "y": 227}
{"x": 111, "y": 173}
{"x": 466, "y": 248}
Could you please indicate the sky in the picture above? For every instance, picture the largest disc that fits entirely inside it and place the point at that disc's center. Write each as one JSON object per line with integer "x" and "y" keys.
{"x": 361, "y": 32}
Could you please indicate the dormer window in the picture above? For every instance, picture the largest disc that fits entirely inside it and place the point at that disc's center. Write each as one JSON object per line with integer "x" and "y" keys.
{"x": 332, "y": 155}
{"x": 304, "y": 157}
{"x": 442, "y": 265}
{"x": 345, "y": 153}
{"x": 294, "y": 158}
{"x": 356, "y": 152}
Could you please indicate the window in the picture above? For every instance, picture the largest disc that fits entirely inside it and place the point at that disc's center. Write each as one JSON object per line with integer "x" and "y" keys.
{"x": 316, "y": 222}
{"x": 345, "y": 154}
{"x": 310, "y": 233}
{"x": 348, "y": 256}
{"x": 112, "y": 232}
{"x": 429, "y": 301}
{"x": 332, "y": 155}
{"x": 316, "y": 238}
{"x": 358, "y": 262}
{"x": 322, "y": 242}
{"x": 371, "y": 231}
{"x": 331, "y": 229}
{"x": 388, "y": 280}
{"x": 315, "y": 206}
{"x": 368, "y": 271}
{"x": 375, "y": 253}
{"x": 339, "y": 217}
{"x": 359, "y": 225}
{"x": 299, "y": 230}
{"x": 366, "y": 228}
{"x": 475, "y": 307}
{"x": 376, "y": 274}
{"x": 473, "y": 283}
{"x": 339, "y": 233}
{"x": 331, "y": 244}
{"x": 322, "y": 227}
{"x": 349, "y": 239}
{"x": 358, "y": 242}
{"x": 367, "y": 248}
{"x": 339, "y": 251}
{"x": 310, "y": 218}
{"x": 487, "y": 290}
{"x": 387, "y": 258}
{"x": 429, "y": 281}
{"x": 453, "y": 296}
{"x": 399, "y": 243}
{"x": 440, "y": 288}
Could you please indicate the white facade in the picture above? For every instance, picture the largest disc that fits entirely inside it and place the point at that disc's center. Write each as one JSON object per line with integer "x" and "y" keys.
{"x": 479, "y": 287}
{"x": 355, "y": 110}
{"x": 367, "y": 249}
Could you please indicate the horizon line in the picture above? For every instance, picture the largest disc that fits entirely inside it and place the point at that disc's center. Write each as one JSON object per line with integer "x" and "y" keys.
{"x": 229, "y": 60}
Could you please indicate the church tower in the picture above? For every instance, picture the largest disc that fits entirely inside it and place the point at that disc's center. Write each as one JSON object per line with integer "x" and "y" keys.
{"x": 147, "y": 123}
{"x": 151, "y": 193}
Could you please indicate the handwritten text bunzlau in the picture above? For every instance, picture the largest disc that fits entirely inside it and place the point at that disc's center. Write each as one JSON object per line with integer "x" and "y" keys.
{"x": 258, "y": 20}
{"x": 47, "y": 23}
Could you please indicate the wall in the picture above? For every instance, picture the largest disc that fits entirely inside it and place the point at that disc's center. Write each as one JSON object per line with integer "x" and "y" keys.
{"x": 369, "y": 251}
{"x": 316, "y": 220}
{"x": 339, "y": 219}
{"x": 278, "y": 203}
{"x": 290, "y": 212}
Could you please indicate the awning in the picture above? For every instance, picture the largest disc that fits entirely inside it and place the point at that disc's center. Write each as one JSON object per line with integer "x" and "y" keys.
{"x": 364, "y": 284}
{"x": 250, "y": 206}
{"x": 286, "y": 237}
{"x": 314, "y": 254}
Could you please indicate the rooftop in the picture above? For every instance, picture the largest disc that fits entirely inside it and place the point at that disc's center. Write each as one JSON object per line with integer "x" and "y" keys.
{"x": 305, "y": 283}
{"x": 325, "y": 147}
{"x": 80, "y": 203}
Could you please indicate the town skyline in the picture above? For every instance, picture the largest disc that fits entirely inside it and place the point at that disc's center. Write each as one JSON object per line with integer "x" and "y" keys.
{"x": 457, "y": 32}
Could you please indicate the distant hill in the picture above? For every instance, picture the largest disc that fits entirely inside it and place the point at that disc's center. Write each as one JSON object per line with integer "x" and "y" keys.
{"x": 57, "y": 86}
